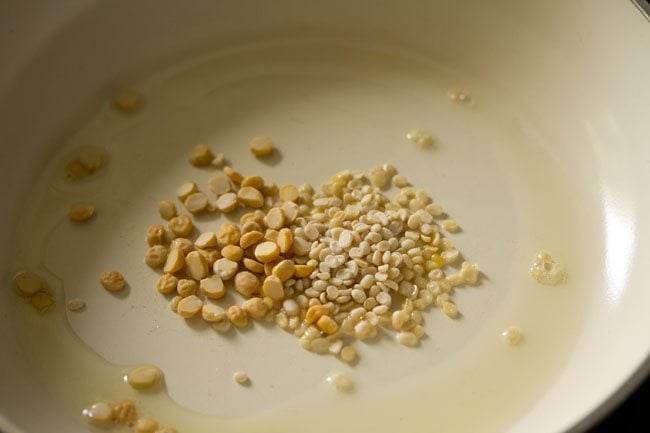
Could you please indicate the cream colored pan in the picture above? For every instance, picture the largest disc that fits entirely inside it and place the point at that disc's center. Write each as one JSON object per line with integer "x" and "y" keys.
{"x": 548, "y": 149}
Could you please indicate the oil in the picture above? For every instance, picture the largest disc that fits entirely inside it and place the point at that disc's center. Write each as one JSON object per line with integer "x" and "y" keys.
{"x": 328, "y": 108}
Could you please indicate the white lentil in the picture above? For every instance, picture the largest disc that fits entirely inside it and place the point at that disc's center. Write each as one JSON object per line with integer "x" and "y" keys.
{"x": 364, "y": 329}
{"x": 406, "y": 338}
{"x": 240, "y": 377}
{"x": 146, "y": 425}
{"x": 449, "y": 309}
{"x": 450, "y": 225}
{"x": 75, "y": 304}
{"x": 291, "y": 307}
{"x": 512, "y": 335}
{"x": 348, "y": 354}
{"x": 339, "y": 382}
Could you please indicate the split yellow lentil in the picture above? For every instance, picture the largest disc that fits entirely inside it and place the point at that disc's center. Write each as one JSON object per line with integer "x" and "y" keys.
{"x": 112, "y": 281}
{"x": 200, "y": 156}
{"x": 81, "y": 211}
{"x": 127, "y": 101}
{"x": 261, "y": 146}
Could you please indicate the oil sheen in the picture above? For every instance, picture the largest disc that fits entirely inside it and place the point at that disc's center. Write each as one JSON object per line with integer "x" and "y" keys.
{"x": 328, "y": 108}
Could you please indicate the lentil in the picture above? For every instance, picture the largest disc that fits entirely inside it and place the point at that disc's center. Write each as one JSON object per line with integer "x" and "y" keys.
{"x": 289, "y": 192}
{"x": 127, "y": 101}
{"x": 249, "y": 196}
{"x": 256, "y": 182}
{"x": 227, "y": 202}
{"x": 225, "y": 269}
{"x": 112, "y": 281}
{"x": 240, "y": 377}
{"x": 273, "y": 288}
{"x": 339, "y": 382}
{"x": 233, "y": 252}
{"x": 253, "y": 266}
{"x": 42, "y": 301}
{"x": 237, "y": 316}
{"x": 186, "y": 287}
{"x": 28, "y": 284}
{"x": 247, "y": 284}
{"x": 144, "y": 376}
{"x": 81, "y": 212}
{"x": 156, "y": 256}
{"x": 233, "y": 175}
{"x": 175, "y": 261}
{"x": 512, "y": 335}
{"x": 196, "y": 267}
{"x": 450, "y": 225}
{"x": 75, "y": 304}
{"x": 267, "y": 251}
{"x": 196, "y": 202}
{"x": 145, "y": 425}
{"x": 189, "y": 306}
{"x": 205, "y": 240}
{"x": 261, "y": 146}
{"x": 200, "y": 156}
{"x": 173, "y": 304}
{"x": 181, "y": 225}
{"x": 255, "y": 308}
{"x": 229, "y": 234}
{"x": 213, "y": 313}
{"x": 219, "y": 160}
{"x": 219, "y": 184}
{"x": 329, "y": 268}
{"x": 167, "y": 284}
{"x": 250, "y": 238}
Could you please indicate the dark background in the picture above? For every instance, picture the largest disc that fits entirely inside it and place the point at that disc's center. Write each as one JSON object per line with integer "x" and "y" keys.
{"x": 633, "y": 415}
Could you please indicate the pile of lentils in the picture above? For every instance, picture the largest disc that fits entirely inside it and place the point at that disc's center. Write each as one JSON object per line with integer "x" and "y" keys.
{"x": 330, "y": 266}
